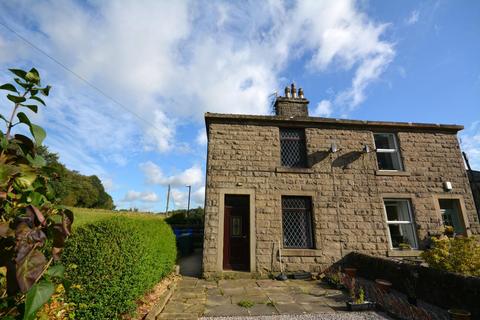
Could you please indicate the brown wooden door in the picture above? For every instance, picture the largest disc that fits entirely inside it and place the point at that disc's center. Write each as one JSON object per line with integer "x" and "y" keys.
{"x": 236, "y": 246}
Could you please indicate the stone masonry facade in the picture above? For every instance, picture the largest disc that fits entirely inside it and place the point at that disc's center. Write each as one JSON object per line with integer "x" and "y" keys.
{"x": 346, "y": 187}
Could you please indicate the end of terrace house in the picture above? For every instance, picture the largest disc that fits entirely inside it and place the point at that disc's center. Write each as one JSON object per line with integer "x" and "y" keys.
{"x": 319, "y": 188}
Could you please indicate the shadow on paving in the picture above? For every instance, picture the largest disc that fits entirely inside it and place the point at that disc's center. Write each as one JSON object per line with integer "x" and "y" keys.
{"x": 191, "y": 265}
{"x": 195, "y": 298}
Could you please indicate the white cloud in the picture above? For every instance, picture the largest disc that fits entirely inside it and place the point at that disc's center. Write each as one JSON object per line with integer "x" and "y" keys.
{"x": 323, "y": 109}
{"x": 140, "y": 196}
{"x": 218, "y": 57}
{"x": 180, "y": 197}
{"x": 154, "y": 175}
{"x": 412, "y": 18}
{"x": 470, "y": 140}
{"x": 202, "y": 138}
{"x": 199, "y": 196}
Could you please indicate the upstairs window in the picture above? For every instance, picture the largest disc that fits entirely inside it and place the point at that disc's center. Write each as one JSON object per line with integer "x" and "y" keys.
{"x": 388, "y": 154}
{"x": 297, "y": 222}
{"x": 293, "y": 148}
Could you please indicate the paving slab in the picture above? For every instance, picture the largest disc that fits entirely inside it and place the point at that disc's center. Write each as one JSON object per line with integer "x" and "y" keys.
{"x": 226, "y": 310}
{"x": 262, "y": 310}
{"x": 216, "y": 300}
{"x": 257, "y": 299}
{"x": 289, "y": 308}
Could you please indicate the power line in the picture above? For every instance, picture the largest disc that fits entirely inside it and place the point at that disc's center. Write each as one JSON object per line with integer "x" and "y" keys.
{"x": 103, "y": 93}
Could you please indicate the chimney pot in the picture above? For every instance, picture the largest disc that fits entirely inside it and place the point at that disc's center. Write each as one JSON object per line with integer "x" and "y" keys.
{"x": 287, "y": 92}
{"x": 300, "y": 93}
{"x": 294, "y": 91}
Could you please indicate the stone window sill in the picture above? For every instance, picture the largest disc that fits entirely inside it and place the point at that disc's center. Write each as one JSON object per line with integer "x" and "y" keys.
{"x": 392, "y": 173}
{"x": 293, "y": 170}
{"x": 404, "y": 253}
{"x": 301, "y": 252}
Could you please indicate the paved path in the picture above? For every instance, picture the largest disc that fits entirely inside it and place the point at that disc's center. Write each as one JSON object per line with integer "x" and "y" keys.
{"x": 195, "y": 298}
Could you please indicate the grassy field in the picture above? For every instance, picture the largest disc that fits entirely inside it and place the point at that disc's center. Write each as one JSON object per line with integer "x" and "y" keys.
{"x": 83, "y": 216}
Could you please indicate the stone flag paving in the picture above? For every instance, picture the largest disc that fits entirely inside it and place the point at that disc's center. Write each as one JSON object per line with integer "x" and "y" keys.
{"x": 195, "y": 298}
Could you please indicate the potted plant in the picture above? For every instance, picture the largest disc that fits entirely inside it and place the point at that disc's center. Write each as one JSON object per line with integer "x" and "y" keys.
{"x": 404, "y": 246}
{"x": 449, "y": 231}
{"x": 357, "y": 301}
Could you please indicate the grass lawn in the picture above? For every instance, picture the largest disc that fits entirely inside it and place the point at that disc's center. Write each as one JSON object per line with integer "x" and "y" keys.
{"x": 84, "y": 216}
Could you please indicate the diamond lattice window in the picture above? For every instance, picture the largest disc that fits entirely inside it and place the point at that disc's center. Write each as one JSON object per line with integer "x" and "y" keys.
{"x": 297, "y": 222}
{"x": 293, "y": 149}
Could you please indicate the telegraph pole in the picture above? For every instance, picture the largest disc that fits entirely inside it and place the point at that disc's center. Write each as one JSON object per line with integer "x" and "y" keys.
{"x": 188, "y": 207}
{"x": 168, "y": 200}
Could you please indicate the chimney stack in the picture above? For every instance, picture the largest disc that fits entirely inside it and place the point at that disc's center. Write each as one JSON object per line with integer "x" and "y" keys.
{"x": 292, "y": 104}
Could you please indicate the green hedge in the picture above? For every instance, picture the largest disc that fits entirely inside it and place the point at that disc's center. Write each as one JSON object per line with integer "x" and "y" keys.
{"x": 111, "y": 263}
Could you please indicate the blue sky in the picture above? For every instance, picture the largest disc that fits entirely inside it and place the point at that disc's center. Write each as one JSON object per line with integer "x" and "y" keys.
{"x": 168, "y": 62}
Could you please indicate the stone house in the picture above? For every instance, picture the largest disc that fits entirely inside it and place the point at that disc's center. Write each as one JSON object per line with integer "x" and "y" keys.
{"x": 319, "y": 188}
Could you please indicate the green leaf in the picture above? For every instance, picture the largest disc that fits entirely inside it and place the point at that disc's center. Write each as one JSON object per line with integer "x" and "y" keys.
{"x": 37, "y": 296}
{"x": 38, "y": 99}
{"x": 33, "y": 76}
{"x": 32, "y": 107}
{"x": 9, "y": 87}
{"x": 45, "y": 91}
{"x": 26, "y": 180}
{"x": 38, "y": 133}
{"x": 21, "y": 83}
{"x": 6, "y": 172}
{"x": 22, "y": 117}
{"x": 18, "y": 72}
{"x": 3, "y": 118}
{"x": 37, "y": 161}
{"x": 56, "y": 271}
{"x": 15, "y": 99}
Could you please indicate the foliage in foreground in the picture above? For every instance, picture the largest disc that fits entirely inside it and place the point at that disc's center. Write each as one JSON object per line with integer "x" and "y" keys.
{"x": 32, "y": 228}
{"x": 459, "y": 254}
{"x": 112, "y": 262}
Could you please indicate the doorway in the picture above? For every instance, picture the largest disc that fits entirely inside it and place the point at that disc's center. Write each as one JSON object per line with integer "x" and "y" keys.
{"x": 236, "y": 246}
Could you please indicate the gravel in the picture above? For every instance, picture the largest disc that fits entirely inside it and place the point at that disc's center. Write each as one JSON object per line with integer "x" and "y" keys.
{"x": 320, "y": 316}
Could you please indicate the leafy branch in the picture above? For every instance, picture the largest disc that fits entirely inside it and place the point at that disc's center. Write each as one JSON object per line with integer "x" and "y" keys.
{"x": 33, "y": 229}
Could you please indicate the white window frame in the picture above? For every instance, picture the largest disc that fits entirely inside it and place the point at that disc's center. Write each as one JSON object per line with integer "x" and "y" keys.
{"x": 399, "y": 222}
{"x": 396, "y": 150}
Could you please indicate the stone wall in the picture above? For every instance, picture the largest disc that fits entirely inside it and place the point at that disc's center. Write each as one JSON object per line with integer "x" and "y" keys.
{"x": 444, "y": 289}
{"x": 346, "y": 188}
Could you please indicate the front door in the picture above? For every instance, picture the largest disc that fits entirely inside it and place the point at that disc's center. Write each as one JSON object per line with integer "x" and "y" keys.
{"x": 236, "y": 246}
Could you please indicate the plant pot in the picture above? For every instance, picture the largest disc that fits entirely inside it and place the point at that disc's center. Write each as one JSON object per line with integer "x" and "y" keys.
{"x": 459, "y": 314}
{"x": 412, "y": 300}
{"x": 351, "y": 271}
{"x": 365, "y": 306}
{"x": 383, "y": 285}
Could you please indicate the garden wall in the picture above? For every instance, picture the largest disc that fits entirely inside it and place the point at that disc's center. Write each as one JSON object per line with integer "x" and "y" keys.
{"x": 443, "y": 289}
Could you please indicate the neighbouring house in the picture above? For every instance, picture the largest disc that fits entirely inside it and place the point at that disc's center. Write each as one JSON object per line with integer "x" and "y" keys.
{"x": 320, "y": 188}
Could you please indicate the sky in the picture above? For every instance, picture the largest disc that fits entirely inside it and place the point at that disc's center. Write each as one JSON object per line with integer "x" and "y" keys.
{"x": 132, "y": 79}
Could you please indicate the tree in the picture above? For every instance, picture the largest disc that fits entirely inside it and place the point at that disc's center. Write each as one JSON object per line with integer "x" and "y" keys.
{"x": 33, "y": 229}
